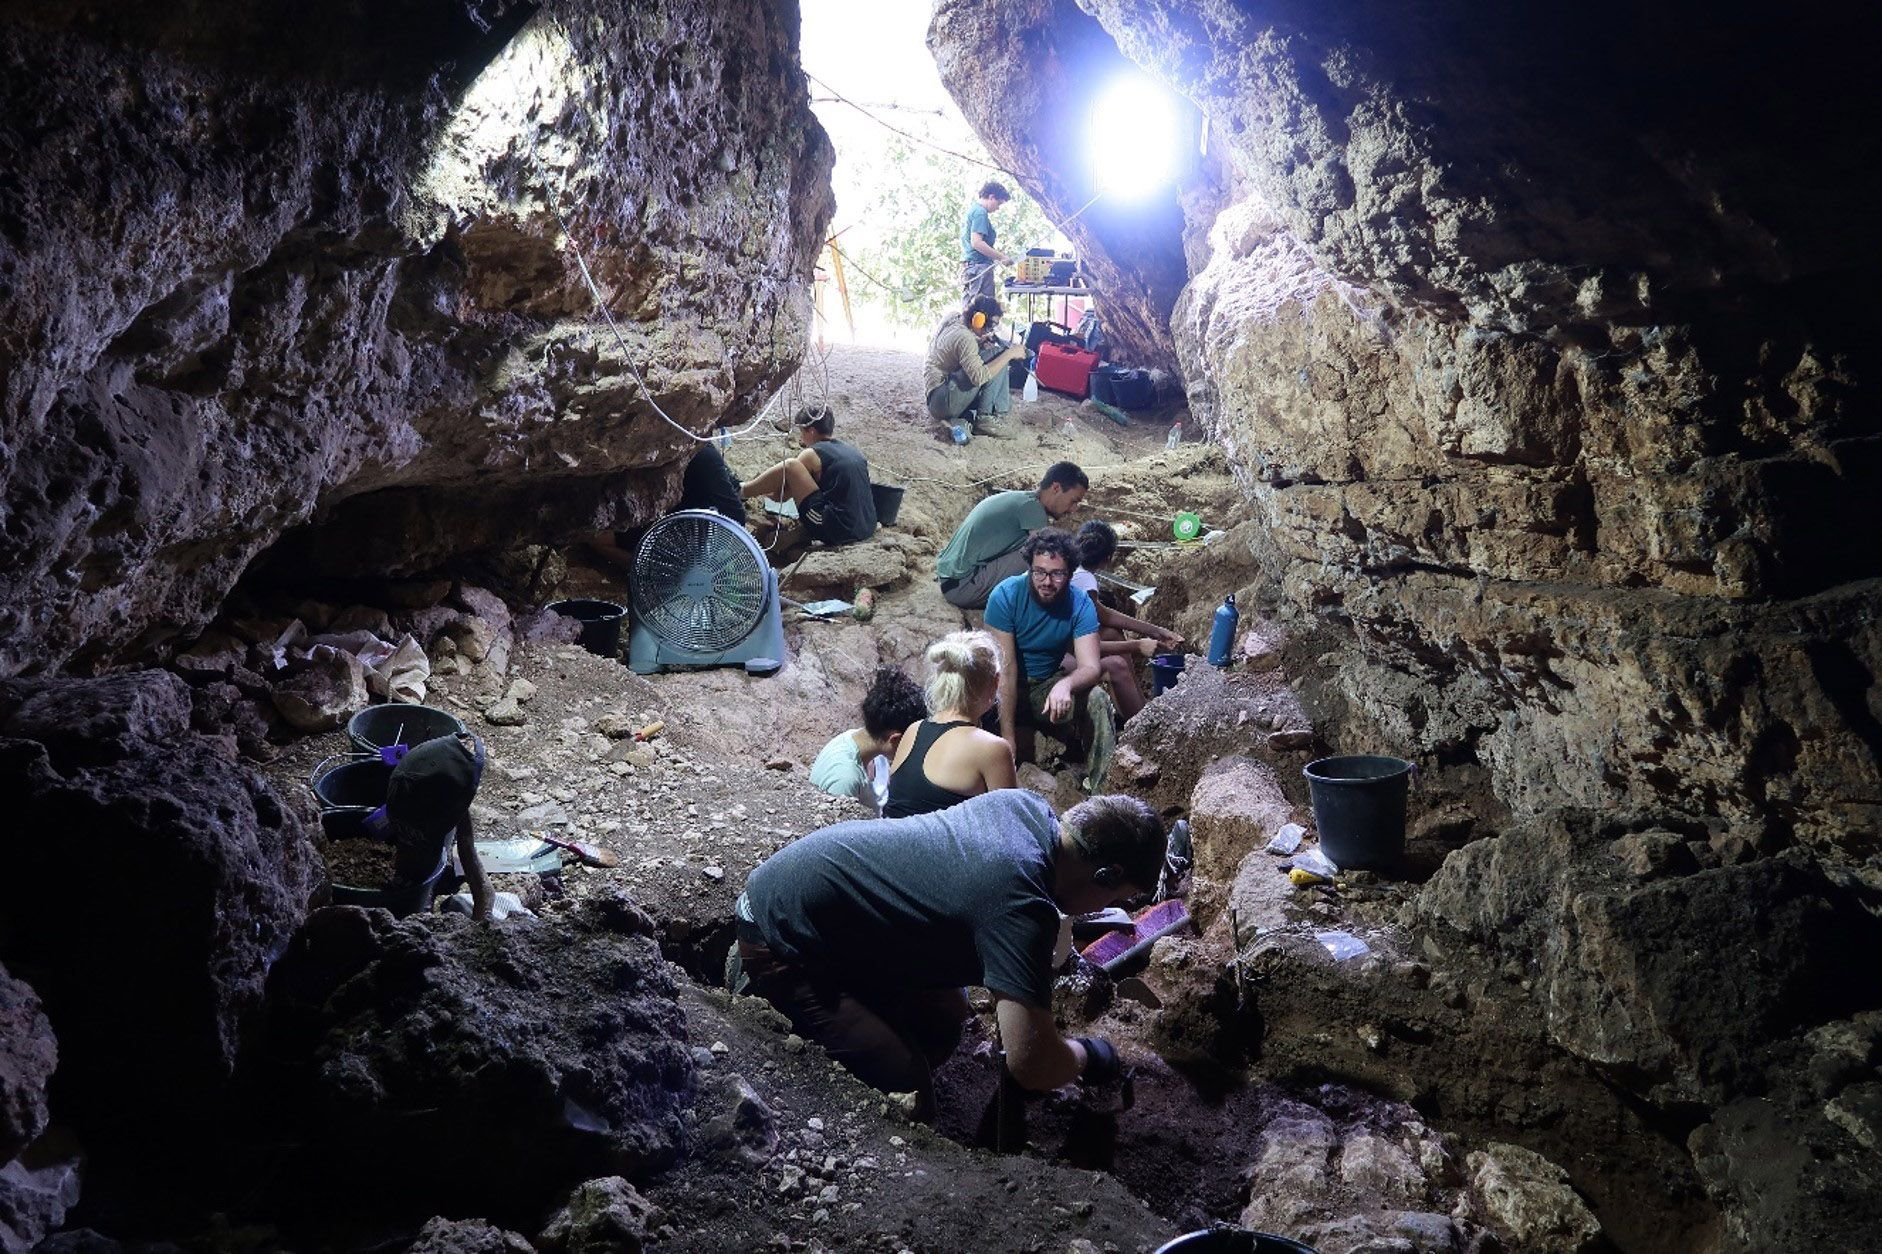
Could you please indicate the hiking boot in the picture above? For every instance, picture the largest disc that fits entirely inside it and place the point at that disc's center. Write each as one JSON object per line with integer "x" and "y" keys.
{"x": 1103, "y": 739}
{"x": 996, "y": 426}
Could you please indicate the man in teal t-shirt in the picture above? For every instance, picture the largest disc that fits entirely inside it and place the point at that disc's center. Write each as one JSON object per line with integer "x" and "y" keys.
{"x": 979, "y": 258}
{"x": 985, "y": 547}
{"x": 1037, "y": 618}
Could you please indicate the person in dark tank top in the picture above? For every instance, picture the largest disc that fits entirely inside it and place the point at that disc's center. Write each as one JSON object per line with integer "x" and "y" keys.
{"x": 946, "y": 758}
{"x": 829, "y": 481}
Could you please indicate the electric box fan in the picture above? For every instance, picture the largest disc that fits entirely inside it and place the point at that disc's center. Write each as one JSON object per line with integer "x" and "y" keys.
{"x": 703, "y": 595}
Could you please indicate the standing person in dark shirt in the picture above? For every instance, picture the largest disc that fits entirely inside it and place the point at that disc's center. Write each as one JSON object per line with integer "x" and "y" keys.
{"x": 863, "y": 934}
{"x": 829, "y": 481}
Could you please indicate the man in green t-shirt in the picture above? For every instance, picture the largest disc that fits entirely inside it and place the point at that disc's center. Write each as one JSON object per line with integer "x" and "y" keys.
{"x": 985, "y": 547}
{"x": 979, "y": 258}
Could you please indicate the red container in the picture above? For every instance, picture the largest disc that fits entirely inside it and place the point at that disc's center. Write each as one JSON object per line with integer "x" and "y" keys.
{"x": 1064, "y": 368}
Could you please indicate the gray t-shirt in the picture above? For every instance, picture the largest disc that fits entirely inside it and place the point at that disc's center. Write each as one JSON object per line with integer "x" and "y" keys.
{"x": 960, "y": 896}
{"x": 993, "y": 528}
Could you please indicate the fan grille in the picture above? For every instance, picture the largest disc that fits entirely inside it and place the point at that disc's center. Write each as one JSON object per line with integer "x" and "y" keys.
{"x": 699, "y": 582}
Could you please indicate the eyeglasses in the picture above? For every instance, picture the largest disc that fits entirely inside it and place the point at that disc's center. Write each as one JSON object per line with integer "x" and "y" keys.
{"x": 1050, "y": 576}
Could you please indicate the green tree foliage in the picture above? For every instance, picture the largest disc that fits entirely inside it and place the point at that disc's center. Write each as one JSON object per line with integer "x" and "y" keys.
{"x": 911, "y": 257}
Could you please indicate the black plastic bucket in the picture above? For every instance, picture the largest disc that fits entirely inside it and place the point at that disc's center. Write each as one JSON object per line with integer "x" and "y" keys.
{"x": 1165, "y": 668}
{"x": 1359, "y": 809}
{"x": 357, "y": 783}
{"x": 888, "y": 502}
{"x": 1233, "y": 1241}
{"x": 377, "y": 726}
{"x": 600, "y": 620}
{"x": 401, "y": 897}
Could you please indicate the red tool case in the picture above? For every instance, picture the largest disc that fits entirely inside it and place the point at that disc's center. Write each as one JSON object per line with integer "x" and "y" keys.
{"x": 1065, "y": 368}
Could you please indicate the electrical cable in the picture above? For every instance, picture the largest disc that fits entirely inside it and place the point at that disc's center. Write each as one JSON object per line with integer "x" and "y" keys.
{"x": 926, "y": 143}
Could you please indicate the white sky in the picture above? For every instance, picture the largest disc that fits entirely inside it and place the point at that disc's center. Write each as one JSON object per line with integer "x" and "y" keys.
{"x": 874, "y": 51}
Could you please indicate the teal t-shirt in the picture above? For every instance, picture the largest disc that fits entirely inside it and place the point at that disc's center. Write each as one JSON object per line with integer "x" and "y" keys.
{"x": 1041, "y": 634}
{"x": 977, "y": 220}
{"x": 996, "y": 526}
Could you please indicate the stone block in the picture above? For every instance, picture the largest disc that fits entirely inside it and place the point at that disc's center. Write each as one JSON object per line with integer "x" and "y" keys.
{"x": 206, "y": 871}
{"x": 1530, "y": 1199}
{"x": 1236, "y": 807}
{"x": 28, "y": 1055}
{"x": 605, "y": 1216}
{"x": 503, "y": 1029}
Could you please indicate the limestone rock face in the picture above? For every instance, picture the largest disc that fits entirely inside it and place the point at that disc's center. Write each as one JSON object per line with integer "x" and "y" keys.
{"x": 405, "y": 1044}
{"x": 1548, "y": 400}
{"x": 321, "y": 269}
{"x": 1547, "y": 397}
{"x": 1678, "y": 986}
{"x": 193, "y": 873}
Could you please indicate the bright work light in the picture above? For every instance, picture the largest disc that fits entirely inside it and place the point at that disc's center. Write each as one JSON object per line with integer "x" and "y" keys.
{"x": 1136, "y": 137}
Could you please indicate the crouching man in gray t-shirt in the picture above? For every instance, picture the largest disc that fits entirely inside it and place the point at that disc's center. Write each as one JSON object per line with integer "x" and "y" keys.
{"x": 863, "y": 934}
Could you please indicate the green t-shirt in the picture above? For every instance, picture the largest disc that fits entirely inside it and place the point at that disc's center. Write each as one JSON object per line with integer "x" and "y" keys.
{"x": 977, "y": 220}
{"x": 996, "y": 526}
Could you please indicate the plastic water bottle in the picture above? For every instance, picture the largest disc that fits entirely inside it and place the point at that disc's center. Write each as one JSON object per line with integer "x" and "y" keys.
{"x": 961, "y": 432}
{"x": 1222, "y": 634}
{"x": 1070, "y": 428}
{"x": 1030, "y": 392}
{"x": 723, "y": 440}
{"x": 1176, "y": 436}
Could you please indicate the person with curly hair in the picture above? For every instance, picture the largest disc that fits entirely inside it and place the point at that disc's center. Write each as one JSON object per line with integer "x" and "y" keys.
{"x": 843, "y": 767}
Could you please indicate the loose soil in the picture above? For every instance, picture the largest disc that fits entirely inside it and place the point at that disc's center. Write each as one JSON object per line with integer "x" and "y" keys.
{"x": 360, "y": 862}
{"x": 693, "y": 811}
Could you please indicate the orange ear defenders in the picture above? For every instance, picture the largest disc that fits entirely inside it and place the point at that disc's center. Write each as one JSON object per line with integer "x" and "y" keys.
{"x": 978, "y": 321}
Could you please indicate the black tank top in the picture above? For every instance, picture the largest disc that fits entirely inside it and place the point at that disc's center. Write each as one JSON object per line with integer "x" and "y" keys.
{"x": 910, "y": 791}
{"x": 844, "y": 481}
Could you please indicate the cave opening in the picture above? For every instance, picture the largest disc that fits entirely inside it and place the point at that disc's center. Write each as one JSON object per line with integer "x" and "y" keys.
{"x": 1509, "y": 371}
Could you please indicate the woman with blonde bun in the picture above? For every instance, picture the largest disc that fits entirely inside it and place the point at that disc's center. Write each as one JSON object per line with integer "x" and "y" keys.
{"x": 946, "y": 758}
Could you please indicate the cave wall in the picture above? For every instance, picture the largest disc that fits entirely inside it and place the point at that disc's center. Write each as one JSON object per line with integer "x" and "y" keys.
{"x": 299, "y": 266}
{"x": 1538, "y": 340}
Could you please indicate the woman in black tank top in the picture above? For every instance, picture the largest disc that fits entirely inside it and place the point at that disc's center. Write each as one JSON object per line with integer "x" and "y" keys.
{"x": 946, "y": 758}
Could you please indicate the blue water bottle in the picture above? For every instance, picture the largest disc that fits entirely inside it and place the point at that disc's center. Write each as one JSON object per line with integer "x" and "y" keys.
{"x": 1222, "y": 635}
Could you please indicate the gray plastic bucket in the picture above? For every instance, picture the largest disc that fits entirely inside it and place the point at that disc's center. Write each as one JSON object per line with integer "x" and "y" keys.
{"x": 1165, "y": 669}
{"x": 1359, "y": 809}
{"x": 377, "y": 726}
{"x": 600, "y": 620}
{"x": 888, "y": 502}
{"x": 1233, "y": 1241}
